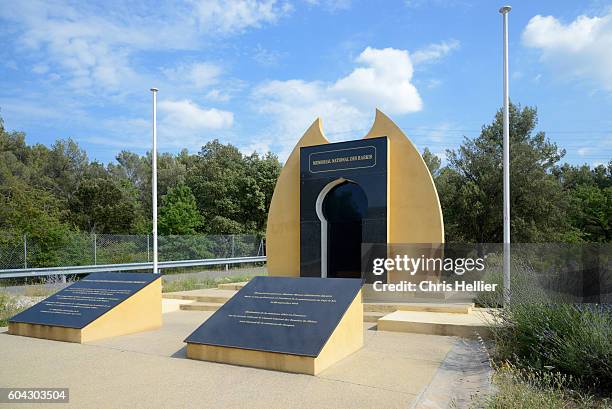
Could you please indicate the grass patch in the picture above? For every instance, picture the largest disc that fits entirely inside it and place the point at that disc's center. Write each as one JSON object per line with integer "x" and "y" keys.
{"x": 194, "y": 283}
{"x": 39, "y": 290}
{"x": 525, "y": 388}
{"x": 259, "y": 268}
{"x": 9, "y": 306}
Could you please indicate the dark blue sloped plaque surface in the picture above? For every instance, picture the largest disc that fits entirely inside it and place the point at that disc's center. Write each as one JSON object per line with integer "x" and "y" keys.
{"x": 280, "y": 314}
{"x": 79, "y": 304}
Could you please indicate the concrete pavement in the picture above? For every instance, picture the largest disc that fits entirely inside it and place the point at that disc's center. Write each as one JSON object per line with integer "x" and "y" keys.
{"x": 149, "y": 370}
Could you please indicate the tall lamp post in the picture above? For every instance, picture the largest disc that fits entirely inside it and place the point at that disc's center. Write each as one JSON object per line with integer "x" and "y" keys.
{"x": 154, "y": 179}
{"x": 506, "y": 159}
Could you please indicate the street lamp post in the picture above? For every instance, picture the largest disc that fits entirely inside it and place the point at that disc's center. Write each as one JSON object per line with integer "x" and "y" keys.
{"x": 506, "y": 158}
{"x": 154, "y": 179}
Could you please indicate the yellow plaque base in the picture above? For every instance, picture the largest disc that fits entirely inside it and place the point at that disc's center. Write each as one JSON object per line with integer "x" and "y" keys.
{"x": 344, "y": 340}
{"x": 140, "y": 312}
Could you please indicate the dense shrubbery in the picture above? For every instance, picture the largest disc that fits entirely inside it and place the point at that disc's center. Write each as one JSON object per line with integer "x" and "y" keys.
{"x": 571, "y": 339}
{"x": 542, "y": 335}
{"x": 49, "y": 193}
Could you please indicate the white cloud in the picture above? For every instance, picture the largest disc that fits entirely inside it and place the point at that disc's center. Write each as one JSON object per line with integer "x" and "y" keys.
{"x": 260, "y": 146}
{"x": 346, "y": 106}
{"x": 181, "y": 124}
{"x": 265, "y": 57}
{"x": 217, "y": 95}
{"x": 238, "y": 15}
{"x": 584, "y": 151}
{"x": 385, "y": 81}
{"x": 331, "y": 5}
{"x": 92, "y": 46}
{"x": 188, "y": 115}
{"x": 580, "y": 48}
{"x": 434, "y": 52}
{"x": 296, "y": 103}
{"x": 200, "y": 75}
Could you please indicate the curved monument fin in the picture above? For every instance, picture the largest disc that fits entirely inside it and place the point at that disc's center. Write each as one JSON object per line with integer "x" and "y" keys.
{"x": 283, "y": 227}
{"x": 413, "y": 213}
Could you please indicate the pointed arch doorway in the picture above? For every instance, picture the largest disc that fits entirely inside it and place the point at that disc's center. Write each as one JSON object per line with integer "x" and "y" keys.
{"x": 341, "y": 207}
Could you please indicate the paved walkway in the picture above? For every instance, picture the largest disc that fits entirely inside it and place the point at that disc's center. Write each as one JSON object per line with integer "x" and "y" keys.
{"x": 149, "y": 370}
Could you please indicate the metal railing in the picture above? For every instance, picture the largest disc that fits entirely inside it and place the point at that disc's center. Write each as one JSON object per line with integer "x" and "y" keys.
{"x": 50, "y": 271}
{"x": 78, "y": 253}
{"x": 78, "y": 249}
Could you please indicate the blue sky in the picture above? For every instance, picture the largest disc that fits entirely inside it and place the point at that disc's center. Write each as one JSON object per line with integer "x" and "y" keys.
{"x": 256, "y": 73}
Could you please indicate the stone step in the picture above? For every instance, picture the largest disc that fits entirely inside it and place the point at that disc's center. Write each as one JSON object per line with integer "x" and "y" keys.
{"x": 454, "y": 308}
{"x": 437, "y": 323}
{"x": 232, "y": 286}
{"x": 213, "y": 295}
{"x": 201, "y": 306}
{"x": 211, "y": 306}
{"x": 372, "y": 316}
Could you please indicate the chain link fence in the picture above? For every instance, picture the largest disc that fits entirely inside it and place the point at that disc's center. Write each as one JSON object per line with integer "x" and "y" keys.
{"x": 96, "y": 249}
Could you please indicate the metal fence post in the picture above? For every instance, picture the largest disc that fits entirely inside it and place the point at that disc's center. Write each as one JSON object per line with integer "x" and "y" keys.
{"x": 148, "y": 251}
{"x": 233, "y": 244}
{"x": 25, "y": 251}
{"x": 95, "y": 245}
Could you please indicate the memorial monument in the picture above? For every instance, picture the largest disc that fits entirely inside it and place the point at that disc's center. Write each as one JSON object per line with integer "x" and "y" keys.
{"x": 101, "y": 305}
{"x": 332, "y": 198}
{"x": 334, "y": 207}
{"x": 300, "y": 325}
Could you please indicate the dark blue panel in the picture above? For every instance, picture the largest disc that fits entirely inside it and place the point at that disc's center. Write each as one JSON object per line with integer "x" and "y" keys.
{"x": 79, "y": 304}
{"x": 280, "y": 314}
{"x": 363, "y": 157}
{"x": 344, "y": 159}
{"x": 322, "y": 164}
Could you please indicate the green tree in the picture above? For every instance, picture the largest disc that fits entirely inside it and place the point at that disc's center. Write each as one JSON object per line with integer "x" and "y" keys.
{"x": 432, "y": 161}
{"x": 591, "y": 205}
{"x": 64, "y": 166}
{"x": 471, "y": 186}
{"x": 216, "y": 183}
{"x": 233, "y": 191}
{"x": 593, "y": 212}
{"x": 258, "y": 187}
{"x": 179, "y": 212}
{"x": 99, "y": 205}
{"x": 36, "y": 213}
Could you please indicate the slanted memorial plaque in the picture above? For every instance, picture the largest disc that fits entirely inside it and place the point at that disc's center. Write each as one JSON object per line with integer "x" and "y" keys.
{"x": 98, "y": 306}
{"x": 289, "y": 324}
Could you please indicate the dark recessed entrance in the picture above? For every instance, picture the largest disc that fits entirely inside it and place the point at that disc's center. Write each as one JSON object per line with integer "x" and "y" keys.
{"x": 344, "y": 209}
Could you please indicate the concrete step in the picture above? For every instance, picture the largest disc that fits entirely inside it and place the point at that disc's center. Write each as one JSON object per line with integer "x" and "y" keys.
{"x": 454, "y": 308}
{"x": 232, "y": 286}
{"x": 213, "y": 295}
{"x": 437, "y": 323}
{"x": 201, "y": 306}
{"x": 372, "y": 316}
{"x": 211, "y": 306}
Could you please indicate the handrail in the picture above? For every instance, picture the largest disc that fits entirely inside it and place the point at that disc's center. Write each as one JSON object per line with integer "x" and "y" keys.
{"x": 47, "y": 271}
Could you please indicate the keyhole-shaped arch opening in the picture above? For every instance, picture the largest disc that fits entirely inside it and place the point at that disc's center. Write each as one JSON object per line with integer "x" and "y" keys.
{"x": 341, "y": 207}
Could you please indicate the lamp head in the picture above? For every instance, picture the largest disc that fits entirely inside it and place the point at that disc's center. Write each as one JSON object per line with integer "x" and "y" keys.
{"x": 505, "y": 9}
